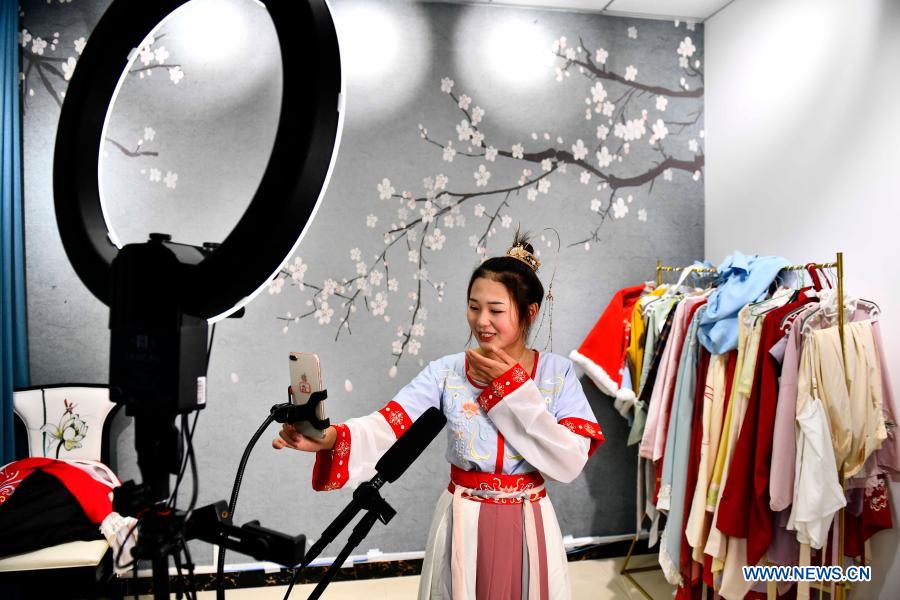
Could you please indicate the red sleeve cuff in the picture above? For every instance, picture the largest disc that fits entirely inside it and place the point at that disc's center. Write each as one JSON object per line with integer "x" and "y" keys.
{"x": 396, "y": 417}
{"x": 331, "y": 470}
{"x": 501, "y": 387}
{"x": 585, "y": 428}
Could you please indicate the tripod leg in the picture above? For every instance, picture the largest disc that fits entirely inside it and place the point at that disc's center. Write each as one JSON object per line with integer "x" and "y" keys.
{"x": 161, "y": 577}
{"x": 359, "y": 532}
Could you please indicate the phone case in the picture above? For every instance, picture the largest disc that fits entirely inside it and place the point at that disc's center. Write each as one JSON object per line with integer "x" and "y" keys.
{"x": 306, "y": 378}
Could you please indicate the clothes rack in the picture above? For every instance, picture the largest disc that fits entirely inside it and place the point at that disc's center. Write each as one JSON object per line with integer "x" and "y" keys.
{"x": 840, "y": 589}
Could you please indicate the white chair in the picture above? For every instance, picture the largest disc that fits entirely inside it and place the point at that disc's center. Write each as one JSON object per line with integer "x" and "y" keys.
{"x": 74, "y": 569}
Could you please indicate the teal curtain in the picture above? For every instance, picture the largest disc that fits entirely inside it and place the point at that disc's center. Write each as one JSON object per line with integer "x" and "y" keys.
{"x": 13, "y": 335}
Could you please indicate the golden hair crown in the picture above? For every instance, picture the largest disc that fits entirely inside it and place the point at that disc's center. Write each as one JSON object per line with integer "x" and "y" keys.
{"x": 520, "y": 253}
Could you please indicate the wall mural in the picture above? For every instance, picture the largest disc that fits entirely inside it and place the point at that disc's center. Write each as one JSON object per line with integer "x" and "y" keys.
{"x": 619, "y": 110}
{"x": 462, "y": 122}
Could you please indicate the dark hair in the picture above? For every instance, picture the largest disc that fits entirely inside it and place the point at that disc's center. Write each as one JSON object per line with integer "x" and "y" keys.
{"x": 519, "y": 279}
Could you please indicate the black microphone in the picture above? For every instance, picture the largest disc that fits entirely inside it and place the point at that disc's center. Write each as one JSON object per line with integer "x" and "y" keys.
{"x": 410, "y": 445}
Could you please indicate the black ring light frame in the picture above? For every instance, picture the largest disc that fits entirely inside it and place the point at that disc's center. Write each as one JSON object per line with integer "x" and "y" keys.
{"x": 290, "y": 190}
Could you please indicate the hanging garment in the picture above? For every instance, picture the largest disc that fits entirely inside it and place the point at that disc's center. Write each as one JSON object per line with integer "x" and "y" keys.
{"x": 602, "y": 353}
{"x": 675, "y": 460}
{"x": 651, "y": 368}
{"x": 520, "y": 427}
{"x": 743, "y": 279}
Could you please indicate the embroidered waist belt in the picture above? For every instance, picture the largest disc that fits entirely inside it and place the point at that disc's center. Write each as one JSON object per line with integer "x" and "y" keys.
{"x": 497, "y": 488}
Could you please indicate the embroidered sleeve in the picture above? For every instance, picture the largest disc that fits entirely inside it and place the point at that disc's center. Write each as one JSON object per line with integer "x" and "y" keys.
{"x": 373, "y": 434}
{"x": 587, "y": 429}
{"x": 520, "y": 411}
{"x": 506, "y": 384}
{"x": 396, "y": 417}
{"x": 331, "y": 470}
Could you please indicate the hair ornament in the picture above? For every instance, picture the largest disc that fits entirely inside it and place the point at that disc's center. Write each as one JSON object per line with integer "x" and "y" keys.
{"x": 519, "y": 252}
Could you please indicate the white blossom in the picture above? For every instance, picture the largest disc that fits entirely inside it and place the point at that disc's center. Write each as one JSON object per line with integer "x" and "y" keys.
{"x": 413, "y": 256}
{"x": 448, "y": 221}
{"x": 38, "y": 45}
{"x": 585, "y": 177}
{"x": 276, "y": 285}
{"x": 633, "y": 129}
{"x": 579, "y": 150}
{"x": 505, "y": 221}
{"x": 464, "y": 130}
{"x": 482, "y": 175}
{"x": 446, "y": 85}
{"x": 379, "y": 304}
{"x": 604, "y": 158}
{"x": 473, "y": 241}
{"x": 440, "y": 182}
{"x": 323, "y": 314}
{"x": 490, "y": 154}
{"x": 608, "y": 109}
{"x": 477, "y": 138}
{"x": 661, "y": 102}
{"x": 601, "y": 56}
{"x": 602, "y": 132}
{"x": 544, "y": 186}
{"x": 570, "y": 54}
{"x": 79, "y": 45}
{"x": 171, "y": 179}
{"x": 68, "y": 68}
{"x": 355, "y": 254}
{"x": 660, "y": 131}
{"x": 477, "y": 115}
{"x": 684, "y": 64}
{"x": 642, "y": 214}
{"x": 371, "y": 220}
{"x": 361, "y": 268}
{"x": 414, "y": 346}
{"x": 427, "y": 212}
{"x": 417, "y": 330}
{"x": 479, "y": 210}
{"x": 598, "y": 93}
{"x": 630, "y": 73}
{"x": 464, "y": 102}
{"x": 436, "y": 240}
{"x": 25, "y": 37}
{"x": 632, "y": 32}
{"x": 396, "y": 347}
{"x": 667, "y": 174}
{"x": 546, "y": 164}
{"x": 393, "y": 284}
{"x": 596, "y": 204}
{"x": 298, "y": 269}
{"x": 176, "y": 74}
{"x": 620, "y": 209}
{"x": 161, "y": 54}
{"x": 155, "y": 175}
{"x": 532, "y": 194}
{"x": 686, "y": 48}
{"x": 460, "y": 220}
{"x": 518, "y": 151}
{"x": 692, "y": 145}
{"x": 449, "y": 152}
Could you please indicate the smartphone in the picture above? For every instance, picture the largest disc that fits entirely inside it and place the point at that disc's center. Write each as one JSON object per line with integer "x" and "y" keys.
{"x": 306, "y": 378}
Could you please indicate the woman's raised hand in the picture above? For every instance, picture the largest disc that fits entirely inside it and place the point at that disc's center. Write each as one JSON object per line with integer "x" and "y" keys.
{"x": 289, "y": 437}
{"x": 490, "y": 366}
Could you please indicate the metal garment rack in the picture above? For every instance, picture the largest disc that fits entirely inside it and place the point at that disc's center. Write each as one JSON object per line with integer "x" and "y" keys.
{"x": 841, "y": 588}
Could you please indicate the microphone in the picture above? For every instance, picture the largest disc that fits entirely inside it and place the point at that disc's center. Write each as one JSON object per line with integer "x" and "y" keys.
{"x": 410, "y": 445}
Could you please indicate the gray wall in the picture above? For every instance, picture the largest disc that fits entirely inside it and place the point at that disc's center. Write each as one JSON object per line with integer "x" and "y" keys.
{"x": 804, "y": 159}
{"x": 213, "y": 128}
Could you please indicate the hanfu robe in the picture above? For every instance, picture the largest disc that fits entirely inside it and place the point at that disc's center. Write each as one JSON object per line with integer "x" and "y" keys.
{"x": 494, "y": 534}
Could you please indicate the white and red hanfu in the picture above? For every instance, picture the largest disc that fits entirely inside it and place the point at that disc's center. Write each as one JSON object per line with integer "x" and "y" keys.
{"x": 494, "y": 534}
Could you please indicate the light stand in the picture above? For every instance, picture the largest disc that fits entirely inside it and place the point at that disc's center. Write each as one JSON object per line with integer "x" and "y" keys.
{"x": 161, "y": 294}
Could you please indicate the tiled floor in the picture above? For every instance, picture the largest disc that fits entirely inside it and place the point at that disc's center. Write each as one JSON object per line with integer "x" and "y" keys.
{"x": 591, "y": 580}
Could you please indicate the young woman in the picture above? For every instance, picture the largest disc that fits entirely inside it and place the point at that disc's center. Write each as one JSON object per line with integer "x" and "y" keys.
{"x": 514, "y": 417}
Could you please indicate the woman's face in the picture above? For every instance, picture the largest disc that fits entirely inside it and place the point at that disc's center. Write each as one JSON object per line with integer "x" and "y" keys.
{"x": 492, "y": 315}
